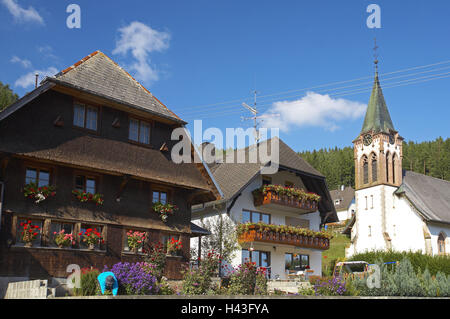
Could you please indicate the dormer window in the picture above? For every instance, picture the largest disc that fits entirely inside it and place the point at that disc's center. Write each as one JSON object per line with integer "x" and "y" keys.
{"x": 85, "y": 116}
{"x": 139, "y": 131}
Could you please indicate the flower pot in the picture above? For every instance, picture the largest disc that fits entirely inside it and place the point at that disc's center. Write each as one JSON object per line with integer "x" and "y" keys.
{"x": 91, "y": 246}
{"x": 29, "y": 244}
{"x": 135, "y": 250}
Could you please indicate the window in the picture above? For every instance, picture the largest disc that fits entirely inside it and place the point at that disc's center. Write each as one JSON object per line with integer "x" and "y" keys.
{"x": 139, "y": 131}
{"x": 20, "y": 228}
{"x": 366, "y": 202}
{"x": 266, "y": 180}
{"x": 374, "y": 168}
{"x": 365, "y": 170}
{"x": 255, "y": 217}
{"x": 85, "y": 184}
{"x": 57, "y": 227}
{"x": 138, "y": 234}
{"x": 371, "y": 198}
{"x": 93, "y": 228}
{"x": 38, "y": 176}
{"x": 387, "y": 167}
{"x": 168, "y": 237}
{"x": 370, "y": 231}
{"x": 85, "y": 116}
{"x": 260, "y": 258}
{"x": 159, "y": 197}
{"x": 296, "y": 262}
{"x": 393, "y": 168}
{"x": 441, "y": 244}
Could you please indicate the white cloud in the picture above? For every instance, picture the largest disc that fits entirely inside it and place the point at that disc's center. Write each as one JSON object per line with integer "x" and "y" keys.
{"x": 29, "y": 79}
{"x": 24, "y": 62}
{"x": 313, "y": 110}
{"x": 22, "y": 15}
{"x": 141, "y": 40}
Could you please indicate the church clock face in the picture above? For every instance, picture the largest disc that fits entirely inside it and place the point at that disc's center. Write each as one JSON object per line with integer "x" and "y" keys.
{"x": 391, "y": 139}
{"x": 367, "y": 139}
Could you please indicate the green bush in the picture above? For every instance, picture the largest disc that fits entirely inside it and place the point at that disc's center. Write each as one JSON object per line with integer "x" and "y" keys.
{"x": 417, "y": 259}
{"x": 404, "y": 280}
{"x": 89, "y": 285}
{"x": 247, "y": 279}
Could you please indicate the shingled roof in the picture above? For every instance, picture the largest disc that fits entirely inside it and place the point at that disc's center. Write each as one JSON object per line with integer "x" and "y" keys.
{"x": 99, "y": 75}
{"x": 377, "y": 117}
{"x": 345, "y": 196}
{"x": 429, "y": 195}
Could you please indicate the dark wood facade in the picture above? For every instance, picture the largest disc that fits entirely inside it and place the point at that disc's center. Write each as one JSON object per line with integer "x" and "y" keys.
{"x": 41, "y": 135}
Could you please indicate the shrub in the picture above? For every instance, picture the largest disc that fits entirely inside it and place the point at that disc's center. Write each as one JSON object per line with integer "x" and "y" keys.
{"x": 135, "y": 279}
{"x": 247, "y": 279}
{"x": 157, "y": 257}
{"x": 197, "y": 281}
{"x": 88, "y": 282}
{"x": 403, "y": 280}
{"x": 330, "y": 286}
{"x": 417, "y": 259}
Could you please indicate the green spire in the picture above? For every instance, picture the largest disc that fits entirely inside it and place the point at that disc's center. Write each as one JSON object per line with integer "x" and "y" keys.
{"x": 377, "y": 115}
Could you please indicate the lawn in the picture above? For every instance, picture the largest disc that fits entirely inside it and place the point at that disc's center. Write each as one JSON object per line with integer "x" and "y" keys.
{"x": 336, "y": 250}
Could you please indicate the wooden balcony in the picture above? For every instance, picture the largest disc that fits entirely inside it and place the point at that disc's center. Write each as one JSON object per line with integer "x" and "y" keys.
{"x": 255, "y": 234}
{"x": 272, "y": 200}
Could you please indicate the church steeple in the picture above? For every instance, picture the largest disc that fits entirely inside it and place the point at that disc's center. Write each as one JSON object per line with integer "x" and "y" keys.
{"x": 377, "y": 115}
{"x": 378, "y": 148}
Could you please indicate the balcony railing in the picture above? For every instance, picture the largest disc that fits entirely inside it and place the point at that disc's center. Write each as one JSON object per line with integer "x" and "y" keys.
{"x": 285, "y": 235}
{"x": 287, "y": 197}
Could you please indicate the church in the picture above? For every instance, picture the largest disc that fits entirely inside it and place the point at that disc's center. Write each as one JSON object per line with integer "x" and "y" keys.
{"x": 396, "y": 209}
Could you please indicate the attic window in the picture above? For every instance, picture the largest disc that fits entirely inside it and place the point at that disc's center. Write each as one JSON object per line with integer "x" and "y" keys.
{"x": 85, "y": 116}
{"x": 139, "y": 131}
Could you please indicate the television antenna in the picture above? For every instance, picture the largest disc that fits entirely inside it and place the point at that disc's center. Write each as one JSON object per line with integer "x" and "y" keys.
{"x": 257, "y": 119}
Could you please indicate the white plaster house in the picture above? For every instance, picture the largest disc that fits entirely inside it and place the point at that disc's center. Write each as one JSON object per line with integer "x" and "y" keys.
{"x": 344, "y": 202}
{"x": 237, "y": 181}
{"x": 395, "y": 209}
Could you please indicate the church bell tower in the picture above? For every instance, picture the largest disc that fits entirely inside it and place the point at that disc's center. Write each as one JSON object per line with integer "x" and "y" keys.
{"x": 378, "y": 148}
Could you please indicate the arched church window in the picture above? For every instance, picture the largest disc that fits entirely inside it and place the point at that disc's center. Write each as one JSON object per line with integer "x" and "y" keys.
{"x": 441, "y": 244}
{"x": 374, "y": 168}
{"x": 387, "y": 167}
{"x": 393, "y": 168}
{"x": 365, "y": 170}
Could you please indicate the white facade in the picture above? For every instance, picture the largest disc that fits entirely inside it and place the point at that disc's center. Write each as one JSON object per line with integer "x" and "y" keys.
{"x": 278, "y": 217}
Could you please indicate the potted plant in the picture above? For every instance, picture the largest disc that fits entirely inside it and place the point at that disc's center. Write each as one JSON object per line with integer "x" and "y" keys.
{"x": 29, "y": 233}
{"x": 135, "y": 240}
{"x": 39, "y": 194}
{"x": 91, "y": 237}
{"x": 173, "y": 246}
{"x": 63, "y": 240}
{"x": 164, "y": 210}
{"x": 83, "y": 197}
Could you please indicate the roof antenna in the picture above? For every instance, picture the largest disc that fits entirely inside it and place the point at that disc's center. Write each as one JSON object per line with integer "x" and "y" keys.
{"x": 37, "y": 79}
{"x": 255, "y": 117}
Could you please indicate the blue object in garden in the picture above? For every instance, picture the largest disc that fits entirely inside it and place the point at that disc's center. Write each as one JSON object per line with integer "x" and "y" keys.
{"x": 108, "y": 280}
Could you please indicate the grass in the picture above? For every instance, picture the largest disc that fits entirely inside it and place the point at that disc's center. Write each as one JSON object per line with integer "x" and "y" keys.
{"x": 336, "y": 250}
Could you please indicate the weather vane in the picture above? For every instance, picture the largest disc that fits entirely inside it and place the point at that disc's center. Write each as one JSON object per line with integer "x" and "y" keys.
{"x": 375, "y": 54}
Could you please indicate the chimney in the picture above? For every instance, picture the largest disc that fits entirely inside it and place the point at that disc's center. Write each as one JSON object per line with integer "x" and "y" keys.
{"x": 37, "y": 79}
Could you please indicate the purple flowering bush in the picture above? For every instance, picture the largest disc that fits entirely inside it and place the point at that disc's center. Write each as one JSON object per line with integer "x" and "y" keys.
{"x": 135, "y": 278}
{"x": 330, "y": 287}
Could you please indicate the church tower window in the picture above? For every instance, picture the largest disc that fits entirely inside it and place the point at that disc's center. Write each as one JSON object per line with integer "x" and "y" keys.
{"x": 387, "y": 167}
{"x": 374, "y": 168}
{"x": 393, "y": 168}
{"x": 365, "y": 170}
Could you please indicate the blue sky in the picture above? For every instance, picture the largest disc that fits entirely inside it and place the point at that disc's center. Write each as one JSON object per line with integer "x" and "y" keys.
{"x": 196, "y": 54}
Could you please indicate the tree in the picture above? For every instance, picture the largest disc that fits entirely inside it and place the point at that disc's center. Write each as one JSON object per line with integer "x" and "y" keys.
{"x": 223, "y": 238}
{"x": 7, "y": 96}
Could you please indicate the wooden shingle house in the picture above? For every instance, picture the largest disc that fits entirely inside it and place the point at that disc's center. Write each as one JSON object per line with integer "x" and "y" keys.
{"x": 89, "y": 151}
